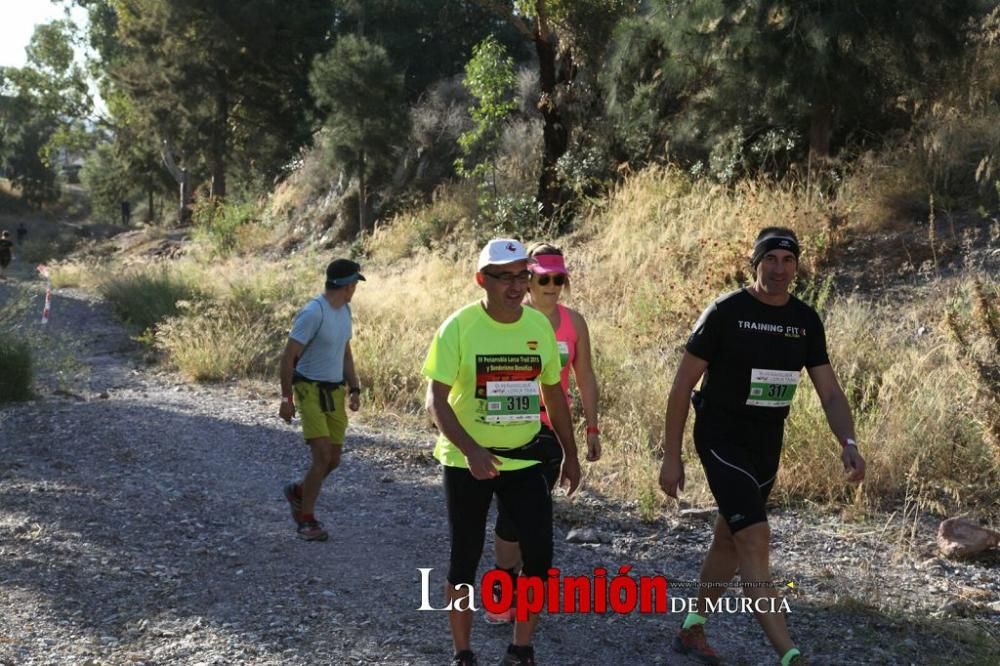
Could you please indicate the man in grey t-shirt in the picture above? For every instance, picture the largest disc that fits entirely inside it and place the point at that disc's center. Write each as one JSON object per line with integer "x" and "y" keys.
{"x": 317, "y": 373}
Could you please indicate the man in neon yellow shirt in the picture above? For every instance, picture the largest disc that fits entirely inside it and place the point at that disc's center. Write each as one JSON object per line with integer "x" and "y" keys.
{"x": 485, "y": 365}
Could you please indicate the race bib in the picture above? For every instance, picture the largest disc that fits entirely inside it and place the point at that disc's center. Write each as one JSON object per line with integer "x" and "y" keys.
{"x": 772, "y": 388}
{"x": 512, "y": 401}
{"x": 563, "y": 353}
{"x": 509, "y": 384}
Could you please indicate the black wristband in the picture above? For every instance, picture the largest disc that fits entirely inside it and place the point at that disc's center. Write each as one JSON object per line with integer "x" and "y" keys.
{"x": 355, "y": 389}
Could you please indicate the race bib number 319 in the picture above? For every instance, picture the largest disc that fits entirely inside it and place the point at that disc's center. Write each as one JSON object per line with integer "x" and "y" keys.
{"x": 772, "y": 388}
{"x": 511, "y": 401}
{"x": 509, "y": 384}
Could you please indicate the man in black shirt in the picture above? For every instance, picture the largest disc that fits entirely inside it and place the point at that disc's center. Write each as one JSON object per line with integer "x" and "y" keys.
{"x": 749, "y": 348}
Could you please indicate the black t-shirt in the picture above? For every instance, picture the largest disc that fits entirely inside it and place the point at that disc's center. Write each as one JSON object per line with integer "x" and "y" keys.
{"x": 755, "y": 354}
{"x": 5, "y": 249}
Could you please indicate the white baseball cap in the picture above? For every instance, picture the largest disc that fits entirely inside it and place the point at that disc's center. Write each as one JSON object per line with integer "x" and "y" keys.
{"x": 501, "y": 251}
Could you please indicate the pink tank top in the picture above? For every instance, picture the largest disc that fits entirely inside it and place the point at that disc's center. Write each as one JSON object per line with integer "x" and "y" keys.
{"x": 566, "y": 338}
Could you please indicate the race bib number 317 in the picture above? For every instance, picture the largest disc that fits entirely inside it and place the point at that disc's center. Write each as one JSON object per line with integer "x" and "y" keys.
{"x": 772, "y": 388}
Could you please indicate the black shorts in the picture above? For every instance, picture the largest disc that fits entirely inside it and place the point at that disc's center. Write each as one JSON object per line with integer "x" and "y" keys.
{"x": 523, "y": 494}
{"x": 505, "y": 527}
{"x": 740, "y": 458}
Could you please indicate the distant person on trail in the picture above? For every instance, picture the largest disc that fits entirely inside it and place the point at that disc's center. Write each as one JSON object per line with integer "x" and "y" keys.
{"x": 317, "y": 374}
{"x": 6, "y": 253}
{"x": 22, "y": 233}
{"x": 126, "y": 213}
{"x": 549, "y": 280}
{"x": 750, "y": 345}
{"x": 485, "y": 366}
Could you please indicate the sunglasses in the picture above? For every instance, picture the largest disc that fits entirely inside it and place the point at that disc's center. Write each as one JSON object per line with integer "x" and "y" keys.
{"x": 510, "y": 278}
{"x": 559, "y": 279}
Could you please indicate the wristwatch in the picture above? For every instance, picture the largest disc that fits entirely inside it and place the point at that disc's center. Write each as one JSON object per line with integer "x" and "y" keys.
{"x": 849, "y": 442}
{"x": 355, "y": 389}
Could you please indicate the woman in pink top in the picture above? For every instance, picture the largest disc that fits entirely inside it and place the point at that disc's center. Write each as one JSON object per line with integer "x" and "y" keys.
{"x": 548, "y": 281}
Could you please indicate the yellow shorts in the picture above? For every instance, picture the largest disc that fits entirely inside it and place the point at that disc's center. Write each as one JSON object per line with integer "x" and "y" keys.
{"x": 316, "y": 422}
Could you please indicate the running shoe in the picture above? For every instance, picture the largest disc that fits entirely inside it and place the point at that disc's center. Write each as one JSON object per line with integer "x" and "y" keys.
{"x": 800, "y": 660}
{"x": 518, "y": 655}
{"x": 692, "y": 642}
{"x": 465, "y": 658}
{"x": 504, "y": 617}
{"x": 312, "y": 530}
{"x": 294, "y": 501}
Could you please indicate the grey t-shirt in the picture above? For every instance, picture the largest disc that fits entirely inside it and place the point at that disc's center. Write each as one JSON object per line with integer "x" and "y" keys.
{"x": 325, "y": 332}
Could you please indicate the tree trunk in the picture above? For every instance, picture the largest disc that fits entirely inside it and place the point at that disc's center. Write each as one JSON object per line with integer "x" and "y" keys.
{"x": 362, "y": 195}
{"x": 555, "y": 134}
{"x": 181, "y": 176}
{"x": 220, "y": 133}
{"x": 149, "y": 207}
{"x": 820, "y": 130}
{"x": 184, "y": 214}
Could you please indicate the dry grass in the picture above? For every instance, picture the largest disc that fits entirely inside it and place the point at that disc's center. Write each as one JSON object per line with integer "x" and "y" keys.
{"x": 950, "y": 157}
{"x": 75, "y": 274}
{"x": 974, "y": 323}
{"x": 396, "y": 312}
{"x": 144, "y": 297}
{"x": 885, "y": 189}
{"x": 909, "y": 399}
{"x": 644, "y": 267}
{"x": 644, "y": 264}
{"x": 222, "y": 339}
{"x": 659, "y": 252}
{"x": 240, "y": 327}
{"x": 448, "y": 219}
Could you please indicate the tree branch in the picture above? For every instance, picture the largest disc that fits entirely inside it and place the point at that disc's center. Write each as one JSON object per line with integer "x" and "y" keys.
{"x": 505, "y": 10}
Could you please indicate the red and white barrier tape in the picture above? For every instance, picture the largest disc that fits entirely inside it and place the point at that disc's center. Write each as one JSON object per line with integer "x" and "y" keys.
{"x": 43, "y": 270}
{"x": 48, "y": 304}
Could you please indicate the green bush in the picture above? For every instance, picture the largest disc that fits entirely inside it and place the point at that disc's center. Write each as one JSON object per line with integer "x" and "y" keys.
{"x": 518, "y": 216}
{"x": 16, "y": 368}
{"x": 145, "y": 298}
{"x": 218, "y": 224}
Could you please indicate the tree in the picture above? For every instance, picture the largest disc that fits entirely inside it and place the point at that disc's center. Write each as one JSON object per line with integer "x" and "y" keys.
{"x": 434, "y": 38}
{"x": 489, "y": 77}
{"x": 759, "y": 75}
{"x": 106, "y": 178}
{"x": 225, "y": 82}
{"x": 362, "y": 93}
{"x": 25, "y": 134}
{"x": 43, "y": 107}
{"x": 565, "y": 33}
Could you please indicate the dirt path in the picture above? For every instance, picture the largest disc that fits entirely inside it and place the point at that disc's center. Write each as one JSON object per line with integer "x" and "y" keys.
{"x": 142, "y": 522}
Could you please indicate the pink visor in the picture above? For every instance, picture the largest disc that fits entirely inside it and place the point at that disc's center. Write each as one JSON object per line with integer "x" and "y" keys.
{"x": 548, "y": 263}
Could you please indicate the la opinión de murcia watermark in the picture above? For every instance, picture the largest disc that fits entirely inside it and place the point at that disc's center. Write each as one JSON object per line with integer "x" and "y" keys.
{"x": 598, "y": 593}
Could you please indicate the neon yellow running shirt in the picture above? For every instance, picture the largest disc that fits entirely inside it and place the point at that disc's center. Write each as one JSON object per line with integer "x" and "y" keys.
{"x": 493, "y": 370}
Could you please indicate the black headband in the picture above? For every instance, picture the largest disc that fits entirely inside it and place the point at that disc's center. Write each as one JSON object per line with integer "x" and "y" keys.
{"x": 765, "y": 245}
